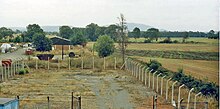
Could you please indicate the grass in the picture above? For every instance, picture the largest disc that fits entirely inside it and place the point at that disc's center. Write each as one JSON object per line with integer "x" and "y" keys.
{"x": 201, "y": 69}
{"x": 195, "y": 39}
{"x": 173, "y": 47}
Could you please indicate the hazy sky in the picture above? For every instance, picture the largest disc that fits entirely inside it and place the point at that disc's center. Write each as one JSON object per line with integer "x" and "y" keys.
{"x": 201, "y": 15}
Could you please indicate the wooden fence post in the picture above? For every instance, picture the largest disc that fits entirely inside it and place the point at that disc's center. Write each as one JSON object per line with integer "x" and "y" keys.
{"x": 82, "y": 62}
{"x": 48, "y": 63}
{"x": 69, "y": 63}
{"x": 115, "y": 63}
{"x": 104, "y": 63}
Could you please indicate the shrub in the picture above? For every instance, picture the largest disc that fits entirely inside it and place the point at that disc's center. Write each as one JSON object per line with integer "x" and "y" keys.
{"x": 154, "y": 64}
{"x": 175, "y": 41}
{"x": 148, "y": 41}
{"x": 23, "y": 71}
{"x": 167, "y": 40}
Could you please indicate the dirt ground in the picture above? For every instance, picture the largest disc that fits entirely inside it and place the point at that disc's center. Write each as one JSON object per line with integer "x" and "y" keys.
{"x": 99, "y": 89}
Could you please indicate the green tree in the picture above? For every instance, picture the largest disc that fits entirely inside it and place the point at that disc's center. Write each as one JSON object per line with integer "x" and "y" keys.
{"x": 136, "y": 33}
{"x": 78, "y": 40}
{"x": 111, "y": 31}
{"x": 186, "y": 36}
{"x": 153, "y": 33}
{"x": 91, "y": 31}
{"x": 104, "y": 46}
{"x": 41, "y": 42}
{"x": 31, "y": 30}
{"x": 65, "y": 32}
{"x": 18, "y": 39}
{"x": 5, "y": 32}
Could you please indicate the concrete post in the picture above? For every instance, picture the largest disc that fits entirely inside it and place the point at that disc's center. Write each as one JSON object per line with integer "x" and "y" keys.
{"x": 149, "y": 78}
{"x": 167, "y": 88}
{"x": 173, "y": 91}
{"x": 58, "y": 64}
{"x": 104, "y": 63}
{"x": 161, "y": 86}
{"x": 179, "y": 96}
{"x": 142, "y": 74}
{"x": 8, "y": 71}
{"x": 14, "y": 68}
{"x": 139, "y": 77}
{"x": 153, "y": 79}
{"x": 137, "y": 70}
{"x": 189, "y": 98}
{"x": 22, "y": 63}
{"x": 145, "y": 77}
{"x": 158, "y": 83}
{"x": 5, "y": 72}
{"x": 195, "y": 101}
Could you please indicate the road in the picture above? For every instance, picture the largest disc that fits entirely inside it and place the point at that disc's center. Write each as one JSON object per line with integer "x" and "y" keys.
{"x": 14, "y": 55}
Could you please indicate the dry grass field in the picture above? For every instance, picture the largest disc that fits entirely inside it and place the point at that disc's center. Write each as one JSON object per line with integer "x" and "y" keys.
{"x": 201, "y": 69}
{"x": 174, "y": 47}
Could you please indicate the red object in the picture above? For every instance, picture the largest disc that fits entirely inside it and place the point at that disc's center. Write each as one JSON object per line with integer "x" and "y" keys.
{"x": 28, "y": 52}
{"x": 6, "y": 62}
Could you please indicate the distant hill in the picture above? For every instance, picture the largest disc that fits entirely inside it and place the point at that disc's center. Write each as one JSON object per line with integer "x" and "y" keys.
{"x": 142, "y": 27}
{"x": 130, "y": 26}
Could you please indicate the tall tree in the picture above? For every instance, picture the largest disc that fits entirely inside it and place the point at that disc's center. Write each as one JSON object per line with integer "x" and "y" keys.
{"x": 186, "y": 36}
{"x": 122, "y": 35}
{"x": 111, "y": 31}
{"x": 136, "y": 33}
{"x": 154, "y": 33}
{"x": 91, "y": 31}
{"x": 31, "y": 30}
{"x": 5, "y": 32}
{"x": 65, "y": 32}
{"x": 41, "y": 42}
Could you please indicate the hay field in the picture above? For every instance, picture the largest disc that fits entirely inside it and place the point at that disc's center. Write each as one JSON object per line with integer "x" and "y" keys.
{"x": 174, "y": 47}
{"x": 201, "y": 69}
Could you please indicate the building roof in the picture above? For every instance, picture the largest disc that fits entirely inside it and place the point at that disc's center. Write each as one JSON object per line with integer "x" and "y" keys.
{"x": 4, "y": 101}
{"x": 59, "y": 40}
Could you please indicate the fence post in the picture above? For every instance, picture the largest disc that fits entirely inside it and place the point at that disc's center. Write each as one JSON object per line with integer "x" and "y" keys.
{"x": 82, "y": 62}
{"x": 104, "y": 62}
{"x": 187, "y": 107}
{"x": 173, "y": 91}
{"x": 179, "y": 96}
{"x": 196, "y": 100}
{"x": 79, "y": 98}
{"x": 36, "y": 64}
{"x": 5, "y": 72}
{"x": 149, "y": 78}
{"x": 69, "y": 63}
{"x": 14, "y": 68}
{"x": 58, "y": 64}
{"x": 158, "y": 83}
{"x": 48, "y": 100}
{"x": 142, "y": 74}
{"x": 145, "y": 77}
{"x": 72, "y": 101}
{"x": 153, "y": 79}
{"x": 167, "y": 88}
{"x": 48, "y": 63}
{"x": 22, "y": 63}
{"x": 8, "y": 70}
{"x": 2, "y": 73}
{"x": 161, "y": 88}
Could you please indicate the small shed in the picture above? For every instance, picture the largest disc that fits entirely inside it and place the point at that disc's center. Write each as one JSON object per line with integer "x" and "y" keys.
{"x": 59, "y": 42}
{"x": 9, "y": 103}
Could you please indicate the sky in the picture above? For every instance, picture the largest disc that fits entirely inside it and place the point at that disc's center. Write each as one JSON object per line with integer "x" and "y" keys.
{"x": 173, "y": 15}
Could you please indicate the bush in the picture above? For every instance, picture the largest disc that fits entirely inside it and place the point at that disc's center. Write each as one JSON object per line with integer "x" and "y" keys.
{"x": 154, "y": 64}
{"x": 23, "y": 71}
{"x": 104, "y": 46}
{"x": 147, "y": 41}
{"x": 167, "y": 40}
{"x": 175, "y": 41}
